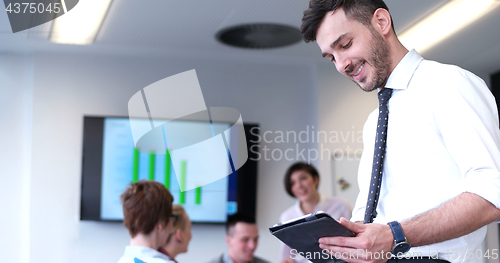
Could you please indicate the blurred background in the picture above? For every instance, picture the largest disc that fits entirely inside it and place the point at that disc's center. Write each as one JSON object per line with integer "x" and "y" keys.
{"x": 47, "y": 86}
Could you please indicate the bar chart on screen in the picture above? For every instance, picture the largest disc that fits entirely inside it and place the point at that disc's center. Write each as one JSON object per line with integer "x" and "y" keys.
{"x": 169, "y": 179}
{"x": 124, "y": 163}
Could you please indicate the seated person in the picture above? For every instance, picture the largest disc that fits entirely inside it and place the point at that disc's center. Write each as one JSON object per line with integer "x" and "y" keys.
{"x": 147, "y": 207}
{"x": 178, "y": 240}
{"x": 301, "y": 182}
{"x": 242, "y": 236}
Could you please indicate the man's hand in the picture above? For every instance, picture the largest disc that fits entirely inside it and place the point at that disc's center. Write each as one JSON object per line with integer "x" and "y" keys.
{"x": 287, "y": 260}
{"x": 373, "y": 243}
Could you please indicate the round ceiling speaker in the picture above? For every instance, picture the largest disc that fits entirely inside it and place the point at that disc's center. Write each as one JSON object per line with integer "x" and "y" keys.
{"x": 259, "y": 36}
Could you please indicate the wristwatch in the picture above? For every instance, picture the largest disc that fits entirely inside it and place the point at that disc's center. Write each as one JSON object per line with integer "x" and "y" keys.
{"x": 401, "y": 246}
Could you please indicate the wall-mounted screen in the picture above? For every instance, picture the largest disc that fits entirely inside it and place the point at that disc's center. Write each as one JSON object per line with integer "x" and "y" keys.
{"x": 111, "y": 162}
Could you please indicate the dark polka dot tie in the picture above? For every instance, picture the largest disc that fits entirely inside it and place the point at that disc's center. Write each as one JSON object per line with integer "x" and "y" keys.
{"x": 378, "y": 157}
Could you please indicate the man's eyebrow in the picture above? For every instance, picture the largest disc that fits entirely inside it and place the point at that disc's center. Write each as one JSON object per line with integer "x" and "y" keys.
{"x": 335, "y": 43}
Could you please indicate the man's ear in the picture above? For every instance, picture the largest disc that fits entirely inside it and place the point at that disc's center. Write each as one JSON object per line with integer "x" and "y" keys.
{"x": 159, "y": 227}
{"x": 227, "y": 239}
{"x": 178, "y": 235}
{"x": 382, "y": 21}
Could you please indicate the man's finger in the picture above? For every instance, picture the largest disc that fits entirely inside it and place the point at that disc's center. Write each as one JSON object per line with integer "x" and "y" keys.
{"x": 346, "y": 254}
{"x": 356, "y": 228}
{"x": 357, "y": 255}
{"x": 334, "y": 241}
{"x": 348, "y": 242}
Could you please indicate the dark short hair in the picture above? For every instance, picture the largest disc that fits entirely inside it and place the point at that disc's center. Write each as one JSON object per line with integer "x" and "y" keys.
{"x": 145, "y": 203}
{"x": 359, "y": 10}
{"x": 239, "y": 217}
{"x": 300, "y": 166}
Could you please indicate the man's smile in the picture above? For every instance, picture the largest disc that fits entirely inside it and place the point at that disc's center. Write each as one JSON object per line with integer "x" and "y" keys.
{"x": 358, "y": 74}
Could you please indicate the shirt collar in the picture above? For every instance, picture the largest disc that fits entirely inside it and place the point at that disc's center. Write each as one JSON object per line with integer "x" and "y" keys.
{"x": 163, "y": 251}
{"x": 134, "y": 251}
{"x": 319, "y": 205}
{"x": 403, "y": 72}
{"x": 226, "y": 258}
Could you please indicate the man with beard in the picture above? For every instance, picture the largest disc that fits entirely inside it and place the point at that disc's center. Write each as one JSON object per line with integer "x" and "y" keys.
{"x": 432, "y": 182}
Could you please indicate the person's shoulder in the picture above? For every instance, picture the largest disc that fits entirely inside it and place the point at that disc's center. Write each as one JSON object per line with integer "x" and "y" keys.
{"x": 146, "y": 260}
{"x": 217, "y": 259}
{"x": 136, "y": 259}
{"x": 159, "y": 260}
{"x": 155, "y": 260}
{"x": 450, "y": 83}
{"x": 289, "y": 213}
{"x": 259, "y": 260}
{"x": 337, "y": 203}
{"x": 431, "y": 65}
{"x": 337, "y": 207}
{"x": 336, "y": 200}
{"x": 125, "y": 260}
{"x": 445, "y": 75}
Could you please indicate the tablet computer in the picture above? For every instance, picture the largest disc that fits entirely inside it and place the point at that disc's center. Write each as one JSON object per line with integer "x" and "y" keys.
{"x": 302, "y": 235}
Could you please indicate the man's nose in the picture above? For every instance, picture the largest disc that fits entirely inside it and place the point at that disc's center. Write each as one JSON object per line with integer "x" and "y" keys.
{"x": 342, "y": 64}
{"x": 252, "y": 245}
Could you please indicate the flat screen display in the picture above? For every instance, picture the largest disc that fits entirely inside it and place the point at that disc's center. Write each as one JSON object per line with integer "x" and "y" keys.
{"x": 111, "y": 162}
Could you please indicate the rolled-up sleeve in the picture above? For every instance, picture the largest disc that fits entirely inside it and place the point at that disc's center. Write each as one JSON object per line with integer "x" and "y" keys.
{"x": 468, "y": 122}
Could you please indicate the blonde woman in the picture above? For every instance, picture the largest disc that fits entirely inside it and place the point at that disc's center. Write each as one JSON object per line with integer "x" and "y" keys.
{"x": 178, "y": 240}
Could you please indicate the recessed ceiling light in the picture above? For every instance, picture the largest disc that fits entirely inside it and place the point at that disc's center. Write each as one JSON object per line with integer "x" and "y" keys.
{"x": 444, "y": 22}
{"x": 81, "y": 24}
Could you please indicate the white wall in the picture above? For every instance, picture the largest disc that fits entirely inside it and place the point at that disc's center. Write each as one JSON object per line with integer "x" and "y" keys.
{"x": 278, "y": 96}
{"x": 343, "y": 108}
{"x": 15, "y": 104}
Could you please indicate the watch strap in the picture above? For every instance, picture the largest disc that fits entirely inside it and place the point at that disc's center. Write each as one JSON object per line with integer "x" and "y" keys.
{"x": 397, "y": 232}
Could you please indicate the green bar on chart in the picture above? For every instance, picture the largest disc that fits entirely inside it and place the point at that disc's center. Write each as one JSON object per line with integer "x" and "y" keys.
{"x": 197, "y": 196}
{"x": 182, "y": 192}
{"x": 135, "y": 170}
{"x": 167, "y": 169}
{"x": 151, "y": 166}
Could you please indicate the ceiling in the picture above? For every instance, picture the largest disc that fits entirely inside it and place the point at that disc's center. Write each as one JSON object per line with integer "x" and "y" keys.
{"x": 188, "y": 28}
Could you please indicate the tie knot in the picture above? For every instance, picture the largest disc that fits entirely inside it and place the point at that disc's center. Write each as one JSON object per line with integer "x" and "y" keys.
{"x": 384, "y": 95}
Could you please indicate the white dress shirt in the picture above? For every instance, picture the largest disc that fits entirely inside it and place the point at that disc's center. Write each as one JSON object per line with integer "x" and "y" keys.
{"x": 443, "y": 139}
{"x": 334, "y": 206}
{"x": 145, "y": 254}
